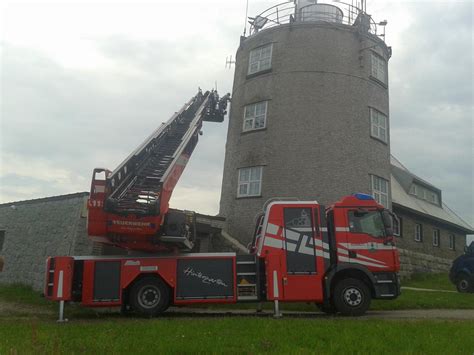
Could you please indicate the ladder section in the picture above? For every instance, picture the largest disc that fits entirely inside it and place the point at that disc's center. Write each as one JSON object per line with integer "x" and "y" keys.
{"x": 136, "y": 185}
{"x": 247, "y": 278}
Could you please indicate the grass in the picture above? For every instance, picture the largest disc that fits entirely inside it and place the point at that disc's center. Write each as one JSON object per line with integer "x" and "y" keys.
{"x": 430, "y": 281}
{"x": 237, "y": 335}
{"x": 22, "y": 294}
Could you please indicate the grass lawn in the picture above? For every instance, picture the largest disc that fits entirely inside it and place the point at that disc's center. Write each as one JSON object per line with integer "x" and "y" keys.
{"x": 237, "y": 335}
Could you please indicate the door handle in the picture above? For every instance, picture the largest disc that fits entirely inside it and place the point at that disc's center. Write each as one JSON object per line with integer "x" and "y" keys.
{"x": 352, "y": 254}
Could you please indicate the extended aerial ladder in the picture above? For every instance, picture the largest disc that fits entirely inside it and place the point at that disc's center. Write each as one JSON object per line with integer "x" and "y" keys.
{"x": 129, "y": 207}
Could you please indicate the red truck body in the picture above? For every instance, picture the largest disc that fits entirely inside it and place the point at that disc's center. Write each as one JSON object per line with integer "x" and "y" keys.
{"x": 301, "y": 253}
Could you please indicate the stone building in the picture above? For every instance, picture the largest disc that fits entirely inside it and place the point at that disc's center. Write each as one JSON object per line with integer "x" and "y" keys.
{"x": 429, "y": 234}
{"x": 35, "y": 229}
{"x": 310, "y": 112}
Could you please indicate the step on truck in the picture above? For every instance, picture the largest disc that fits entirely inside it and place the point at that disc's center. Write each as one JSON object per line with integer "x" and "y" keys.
{"x": 338, "y": 257}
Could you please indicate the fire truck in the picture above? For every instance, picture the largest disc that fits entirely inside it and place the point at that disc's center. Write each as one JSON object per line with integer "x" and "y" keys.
{"x": 338, "y": 257}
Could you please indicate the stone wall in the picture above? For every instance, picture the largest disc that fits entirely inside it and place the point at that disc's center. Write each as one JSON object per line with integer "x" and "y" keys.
{"x": 40, "y": 228}
{"x": 413, "y": 262}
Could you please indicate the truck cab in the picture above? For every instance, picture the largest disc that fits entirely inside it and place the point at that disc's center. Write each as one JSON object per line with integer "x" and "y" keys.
{"x": 339, "y": 257}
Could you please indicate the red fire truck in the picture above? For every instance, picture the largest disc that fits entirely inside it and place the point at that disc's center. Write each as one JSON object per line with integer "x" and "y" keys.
{"x": 339, "y": 257}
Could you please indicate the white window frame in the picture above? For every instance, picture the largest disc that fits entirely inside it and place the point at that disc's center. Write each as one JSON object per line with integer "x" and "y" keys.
{"x": 436, "y": 237}
{"x": 378, "y": 192}
{"x": 257, "y": 62}
{"x": 251, "y": 117}
{"x": 378, "y": 68}
{"x": 398, "y": 230}
{"x": 418, "y": 232}
{"x": 247, "y": 182}
{"x": 452, "y": 242}
{"x": 378, "y": 125}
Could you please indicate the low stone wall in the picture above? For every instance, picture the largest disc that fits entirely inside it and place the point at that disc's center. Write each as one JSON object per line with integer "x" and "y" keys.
{"x": 412, "y": 262}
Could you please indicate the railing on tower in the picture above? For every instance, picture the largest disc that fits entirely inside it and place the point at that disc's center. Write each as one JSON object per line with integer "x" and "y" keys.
{"x": 335, "y": 12}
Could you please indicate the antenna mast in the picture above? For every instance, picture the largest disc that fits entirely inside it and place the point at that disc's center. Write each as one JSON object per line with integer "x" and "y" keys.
{"x": 246, "y": 14}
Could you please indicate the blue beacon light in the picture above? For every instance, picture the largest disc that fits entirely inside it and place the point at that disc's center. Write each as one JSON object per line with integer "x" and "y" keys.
{"x": 363, "y": 197}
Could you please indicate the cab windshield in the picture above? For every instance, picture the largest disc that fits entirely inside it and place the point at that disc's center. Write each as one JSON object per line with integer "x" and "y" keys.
{"x": 368, "y": 222}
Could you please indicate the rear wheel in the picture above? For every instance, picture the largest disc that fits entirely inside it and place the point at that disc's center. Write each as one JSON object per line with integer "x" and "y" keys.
{"x": 464, "y": 284}
{"x": 351, "y": 297}
{"x": 149, "y": 296}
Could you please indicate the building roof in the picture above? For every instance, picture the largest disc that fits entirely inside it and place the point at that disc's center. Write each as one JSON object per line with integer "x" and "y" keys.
{"x": 401, "y": 179}
{"x": 45, "y": 199}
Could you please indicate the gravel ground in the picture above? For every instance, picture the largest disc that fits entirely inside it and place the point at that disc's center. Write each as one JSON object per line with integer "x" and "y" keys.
{"x": 10, "y": 310}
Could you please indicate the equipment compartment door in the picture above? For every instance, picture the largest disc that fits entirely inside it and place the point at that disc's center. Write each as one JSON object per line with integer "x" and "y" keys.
{"x": 302, "y": 280}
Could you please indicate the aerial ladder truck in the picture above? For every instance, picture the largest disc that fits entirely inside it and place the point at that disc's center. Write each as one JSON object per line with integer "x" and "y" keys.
{"x": 338, "y": 257}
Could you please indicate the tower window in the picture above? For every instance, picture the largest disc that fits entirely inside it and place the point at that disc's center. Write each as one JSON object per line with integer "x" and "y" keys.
{"x": 380, "y": 190}
{"x": 255, "y": 116}
{"x": 260, "y": 59}
{"x": 250, "y": 182}
{"x": 418, "y": 233}
{"x": 378, "y": 125}
{"x": 379, "y": 68}
{"x": 436, "y": 238}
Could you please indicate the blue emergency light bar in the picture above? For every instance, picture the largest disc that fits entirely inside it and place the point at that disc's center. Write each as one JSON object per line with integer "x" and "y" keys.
{"x": 363, "y": 197}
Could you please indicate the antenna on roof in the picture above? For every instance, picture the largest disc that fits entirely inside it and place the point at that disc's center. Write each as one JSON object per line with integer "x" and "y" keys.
{"x": 246, "y": 14}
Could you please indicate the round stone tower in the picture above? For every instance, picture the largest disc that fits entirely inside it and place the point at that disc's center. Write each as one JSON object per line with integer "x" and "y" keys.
{"x": 309, "y": 118}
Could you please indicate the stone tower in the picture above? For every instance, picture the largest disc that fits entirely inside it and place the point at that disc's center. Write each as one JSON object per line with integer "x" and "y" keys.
{"x": 309, "y": 118}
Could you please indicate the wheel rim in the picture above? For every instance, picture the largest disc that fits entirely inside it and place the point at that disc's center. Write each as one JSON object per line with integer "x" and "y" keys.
{"x": 149, "y": 296}
{"x": 352, "y": 296}
{"x": 463, "y": 285}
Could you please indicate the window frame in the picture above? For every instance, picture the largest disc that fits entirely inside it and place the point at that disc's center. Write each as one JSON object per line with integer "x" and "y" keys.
{"x": 418, "y": 235}
{"x": 378, "y": 194}
{"x": 260, "y": 59}
{"x": 249, "y": 181}
{"x": 397, "y": 221}
{"x": 436, "y": 238}
{"x": 452, "y": 242}
{"x": 379, "y": 114}
{"x": 375, "y": 69}
{"x": 255, "y": 116}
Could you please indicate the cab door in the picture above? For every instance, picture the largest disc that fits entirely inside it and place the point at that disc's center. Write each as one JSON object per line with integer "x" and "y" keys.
{"x": 366, "y": 241}
{"x": 302, "y": 280}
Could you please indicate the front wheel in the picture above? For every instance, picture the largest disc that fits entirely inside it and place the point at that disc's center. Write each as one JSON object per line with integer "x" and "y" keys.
{"x": 464, "y": 284}
{"x": 149, "y": 296}
{"x": 351, "y": 297}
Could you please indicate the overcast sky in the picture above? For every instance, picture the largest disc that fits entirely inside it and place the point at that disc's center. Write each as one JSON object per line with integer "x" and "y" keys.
{"x": 84, "y": 82}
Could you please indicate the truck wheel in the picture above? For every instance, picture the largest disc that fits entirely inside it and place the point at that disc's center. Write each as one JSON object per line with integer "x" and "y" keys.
{"x": 464, "y": 284}
{"x": 351, "y": 297}
{"x": 149, "y": 296}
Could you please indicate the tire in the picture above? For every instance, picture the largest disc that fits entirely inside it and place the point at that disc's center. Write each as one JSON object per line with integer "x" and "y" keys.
{"x": 149, "y": 296}
{"x": 464, "y": 284}
{"x": 351, "y": 297}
